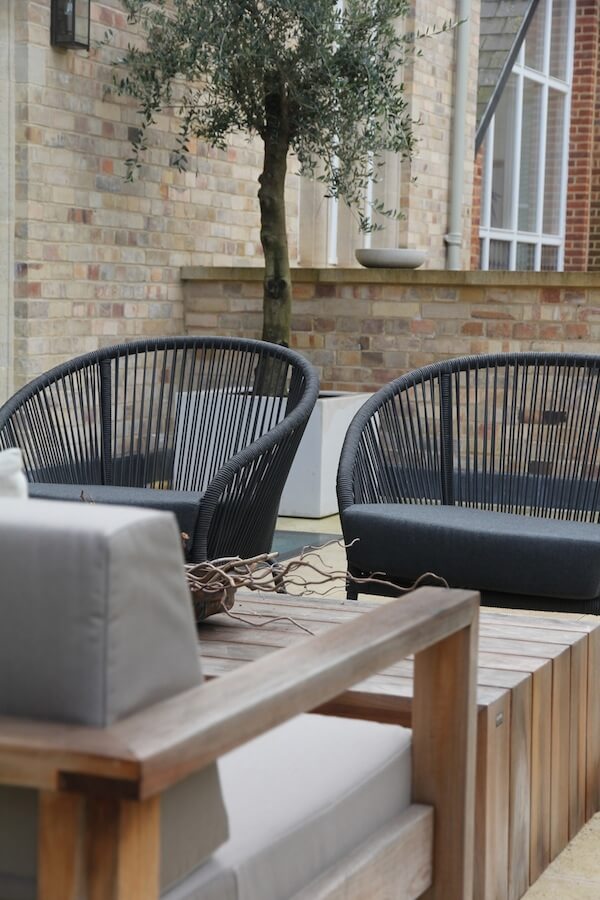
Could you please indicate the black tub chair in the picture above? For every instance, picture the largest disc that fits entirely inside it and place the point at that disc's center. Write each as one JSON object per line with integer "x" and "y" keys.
{"x": 205, "y": 427}
{"x": 485, "y": 471}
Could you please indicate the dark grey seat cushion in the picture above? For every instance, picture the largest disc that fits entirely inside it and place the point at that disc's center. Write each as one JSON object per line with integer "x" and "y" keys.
{"x": 473, "y": 548}
{"x": 184, "y": 504}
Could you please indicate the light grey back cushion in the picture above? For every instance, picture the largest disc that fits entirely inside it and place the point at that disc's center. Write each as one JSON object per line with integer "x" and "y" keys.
{"x": 96, "y": 624}
{"x": 96, "y": 618}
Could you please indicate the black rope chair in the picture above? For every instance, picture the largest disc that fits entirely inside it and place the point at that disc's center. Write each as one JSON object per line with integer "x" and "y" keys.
{"x": 205, "y": 427}
{"x": 485, "y": 471}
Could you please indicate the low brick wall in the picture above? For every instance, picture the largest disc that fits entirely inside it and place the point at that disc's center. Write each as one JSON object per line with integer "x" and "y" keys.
{"x": 362, "y": 327}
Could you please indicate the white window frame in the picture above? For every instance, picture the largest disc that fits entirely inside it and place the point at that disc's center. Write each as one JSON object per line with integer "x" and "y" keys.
{"x": 512, "y": 235}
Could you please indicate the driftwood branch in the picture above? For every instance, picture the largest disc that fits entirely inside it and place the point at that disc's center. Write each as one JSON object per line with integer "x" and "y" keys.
{"x": 213, "y": 583}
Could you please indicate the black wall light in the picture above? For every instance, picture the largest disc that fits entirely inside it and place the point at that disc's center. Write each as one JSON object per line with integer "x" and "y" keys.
{"x": 70, "y": 24}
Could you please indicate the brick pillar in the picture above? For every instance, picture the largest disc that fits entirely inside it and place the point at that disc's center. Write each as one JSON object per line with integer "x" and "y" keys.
{"x": 582, "y": 245}
{"x": 594, "y": 227}
{"x": 476, "y": 207}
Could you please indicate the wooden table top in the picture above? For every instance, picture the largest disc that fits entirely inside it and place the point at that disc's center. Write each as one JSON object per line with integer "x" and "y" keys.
{"x": 517, "y": 644}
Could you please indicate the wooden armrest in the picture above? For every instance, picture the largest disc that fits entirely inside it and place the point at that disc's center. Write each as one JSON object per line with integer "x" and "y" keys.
{"x": 144, "y": 754}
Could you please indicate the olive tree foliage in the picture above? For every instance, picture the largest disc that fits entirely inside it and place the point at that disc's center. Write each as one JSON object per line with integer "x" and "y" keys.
{"x": 311, "y": 77}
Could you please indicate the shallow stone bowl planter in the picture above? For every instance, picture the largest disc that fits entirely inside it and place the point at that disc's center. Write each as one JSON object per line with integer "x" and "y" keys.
{"x": 391, "y": 257}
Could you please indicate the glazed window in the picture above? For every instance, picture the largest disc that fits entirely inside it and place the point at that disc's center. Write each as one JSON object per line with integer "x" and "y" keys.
{"x": 526, "y": 150}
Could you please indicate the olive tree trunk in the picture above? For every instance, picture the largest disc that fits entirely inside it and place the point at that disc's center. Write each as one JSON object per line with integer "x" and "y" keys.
{"x": 277, "y": 295}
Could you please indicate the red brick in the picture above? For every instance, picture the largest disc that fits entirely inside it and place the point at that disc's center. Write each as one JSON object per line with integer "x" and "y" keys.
{"x": 474, "y": 329}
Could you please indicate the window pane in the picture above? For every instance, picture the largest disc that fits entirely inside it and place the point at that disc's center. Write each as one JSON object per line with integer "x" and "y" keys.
{"x": 499, "y": 255}
{"x": 503, "y": 166}
{"x": 525, "y": 257}
{"x": 558, "y": 41}
{"x": 549, "y": 259}
{"x": 554, "y": 159}
{"x": 530, "y": 152}
{"x": 534, "y": 39}
{"x": 82, "y": 16}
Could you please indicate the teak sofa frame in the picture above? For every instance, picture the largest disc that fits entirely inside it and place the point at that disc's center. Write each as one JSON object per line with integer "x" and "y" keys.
{"x": 99, "y": 789}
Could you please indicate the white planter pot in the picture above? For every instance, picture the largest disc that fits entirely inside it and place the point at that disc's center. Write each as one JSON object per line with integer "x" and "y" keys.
{"x": 310, "y": 489}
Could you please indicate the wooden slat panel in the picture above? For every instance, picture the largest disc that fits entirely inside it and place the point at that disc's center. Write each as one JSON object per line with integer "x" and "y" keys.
{"x": 492, "y": 800}
{"x": 593, "y": 726}
{"x": 541, "y": 771}
{"x": 582, "y": 626}
{"x": 559, "y": 792}
{"x": 520, "y": 789}
{"x": 578, "y": 737}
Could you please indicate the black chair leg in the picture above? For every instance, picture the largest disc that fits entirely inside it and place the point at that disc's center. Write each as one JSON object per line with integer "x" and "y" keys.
{"x": 351, "y": 590}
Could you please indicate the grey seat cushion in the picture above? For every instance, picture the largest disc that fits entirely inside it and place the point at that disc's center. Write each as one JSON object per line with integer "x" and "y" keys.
{"x": 97, "y": 623}
{"x": 184, "y": 504}
{"x": 299, "y": 798}
{"x": 473, "y": 548}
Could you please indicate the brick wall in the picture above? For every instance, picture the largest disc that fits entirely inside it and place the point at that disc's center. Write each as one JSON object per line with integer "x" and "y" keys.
{"x": 96, "y": 259}
{"x": 594, "y": 222}
{"x": 579, "y": 255}
{"x": 362, "y": 328}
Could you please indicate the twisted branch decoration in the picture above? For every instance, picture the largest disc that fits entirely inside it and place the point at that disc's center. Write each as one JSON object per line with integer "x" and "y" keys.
{"x": 213, "y": 583}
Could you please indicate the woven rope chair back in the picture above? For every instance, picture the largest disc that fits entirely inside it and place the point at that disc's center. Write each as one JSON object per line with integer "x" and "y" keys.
{"x": 222, "y": 416}
{"x": 515, "y": 433}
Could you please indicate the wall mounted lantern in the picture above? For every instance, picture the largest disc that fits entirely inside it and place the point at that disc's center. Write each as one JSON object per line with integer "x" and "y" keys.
{"x": 70, "y": 24}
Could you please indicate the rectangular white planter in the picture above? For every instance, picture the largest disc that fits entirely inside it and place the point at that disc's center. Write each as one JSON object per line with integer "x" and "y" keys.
{"x": 310, "y": 489}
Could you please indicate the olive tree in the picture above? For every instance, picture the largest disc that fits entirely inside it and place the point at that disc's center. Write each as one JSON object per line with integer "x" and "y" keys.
{"x": 314, "y": 78}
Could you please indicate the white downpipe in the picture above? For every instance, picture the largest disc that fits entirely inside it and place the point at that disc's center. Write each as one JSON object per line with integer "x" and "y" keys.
{"x": 454, "y": 238}
{"x": 332, "y": 231}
